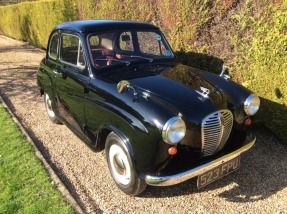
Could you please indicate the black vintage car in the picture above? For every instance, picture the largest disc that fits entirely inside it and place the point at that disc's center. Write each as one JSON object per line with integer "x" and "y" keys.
{"x": 118, "y": 86}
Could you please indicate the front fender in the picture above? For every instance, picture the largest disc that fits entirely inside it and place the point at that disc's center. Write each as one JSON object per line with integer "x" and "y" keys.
{"x": 141, "y": 140}
{"x": 125, "y": 140}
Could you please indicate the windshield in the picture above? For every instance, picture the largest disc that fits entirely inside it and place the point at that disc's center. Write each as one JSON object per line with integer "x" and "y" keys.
{"x": 127, "y": 46}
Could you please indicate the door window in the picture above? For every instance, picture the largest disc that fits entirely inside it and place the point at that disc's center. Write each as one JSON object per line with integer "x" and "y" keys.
{"x": 72, "y": 50}
{"x": 53, "y": 48}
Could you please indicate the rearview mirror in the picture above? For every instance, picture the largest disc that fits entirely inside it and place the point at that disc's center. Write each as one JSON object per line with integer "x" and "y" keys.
{"x": 125, "y": 38}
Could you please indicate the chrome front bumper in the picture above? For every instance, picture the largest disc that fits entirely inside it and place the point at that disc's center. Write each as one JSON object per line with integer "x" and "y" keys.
{"x": 183, "y": 176}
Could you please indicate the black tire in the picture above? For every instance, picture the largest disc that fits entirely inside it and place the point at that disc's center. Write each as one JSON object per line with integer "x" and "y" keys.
{"x": 121, "y": 166}
{"x": 51, "y": 114}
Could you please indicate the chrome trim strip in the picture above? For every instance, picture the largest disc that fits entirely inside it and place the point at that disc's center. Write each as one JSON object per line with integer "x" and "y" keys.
{"x": 183, "y": 176}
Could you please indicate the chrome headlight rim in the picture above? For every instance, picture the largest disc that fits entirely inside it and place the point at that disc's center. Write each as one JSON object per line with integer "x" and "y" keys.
{"x": 251, "y": 104}
{"x": 173, "y": 130}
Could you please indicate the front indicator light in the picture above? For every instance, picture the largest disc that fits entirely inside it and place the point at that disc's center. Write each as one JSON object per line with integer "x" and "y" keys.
{"x": 172, "y": 150}
{"x": 248, "y": 122}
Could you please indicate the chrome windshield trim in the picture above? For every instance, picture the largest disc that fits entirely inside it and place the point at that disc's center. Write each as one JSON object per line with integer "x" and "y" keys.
{"x": 183, "y": 176}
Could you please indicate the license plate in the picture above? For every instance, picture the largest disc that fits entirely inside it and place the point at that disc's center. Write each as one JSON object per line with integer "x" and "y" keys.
{"x": 218, "y": 172}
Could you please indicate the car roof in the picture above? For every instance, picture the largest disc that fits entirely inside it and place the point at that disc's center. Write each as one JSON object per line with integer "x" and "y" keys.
{"x": 85, "y": 26}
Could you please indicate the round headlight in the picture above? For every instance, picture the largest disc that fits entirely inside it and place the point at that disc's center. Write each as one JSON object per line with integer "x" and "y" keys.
{"x": 251, "y": 104}
{"x": 173, "y": 130}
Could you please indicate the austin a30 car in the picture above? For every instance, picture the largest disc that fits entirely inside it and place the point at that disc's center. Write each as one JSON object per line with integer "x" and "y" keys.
{"x": 119, "y": 87}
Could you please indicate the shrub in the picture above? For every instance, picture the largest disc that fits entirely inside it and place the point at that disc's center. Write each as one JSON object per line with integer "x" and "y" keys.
{"x": 33, "y": 21}
{"x": 262, "y": 62}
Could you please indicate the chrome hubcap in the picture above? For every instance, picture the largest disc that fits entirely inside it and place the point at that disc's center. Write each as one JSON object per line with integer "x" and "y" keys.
{"x": 120, "y": 166}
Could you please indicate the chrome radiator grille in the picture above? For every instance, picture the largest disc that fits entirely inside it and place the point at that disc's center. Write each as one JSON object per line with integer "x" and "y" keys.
{"x": 215, "y": 130}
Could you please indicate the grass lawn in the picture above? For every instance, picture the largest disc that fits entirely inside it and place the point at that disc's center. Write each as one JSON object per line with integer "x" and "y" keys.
{"x": 25, "y": 186}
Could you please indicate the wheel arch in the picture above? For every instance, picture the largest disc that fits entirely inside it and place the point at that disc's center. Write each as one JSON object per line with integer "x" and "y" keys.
{"x": 41, "y": 88}
{"x": 103, "y": 134}
{"x": 121, "y": 165}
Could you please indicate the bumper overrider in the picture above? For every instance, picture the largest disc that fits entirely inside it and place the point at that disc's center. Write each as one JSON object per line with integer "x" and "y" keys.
{"x": 194, "y": 172}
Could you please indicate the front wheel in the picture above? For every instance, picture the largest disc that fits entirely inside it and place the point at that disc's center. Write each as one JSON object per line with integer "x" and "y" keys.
{"x": 51, "y": 114}
{"x": 121, "y": 167}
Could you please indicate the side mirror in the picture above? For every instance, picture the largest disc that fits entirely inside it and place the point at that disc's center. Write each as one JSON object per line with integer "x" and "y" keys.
{"x": 122, "y": 86}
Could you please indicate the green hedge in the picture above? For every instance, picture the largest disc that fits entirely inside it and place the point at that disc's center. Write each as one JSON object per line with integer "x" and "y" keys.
{"x": 250, "y": 36}
{"x": 262, "y": 60}
{"x": 33, "y": 21}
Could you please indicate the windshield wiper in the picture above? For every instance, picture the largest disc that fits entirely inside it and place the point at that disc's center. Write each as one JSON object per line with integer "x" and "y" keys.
{"x": 142, "y": 57}
{"x": 117, "y": 60}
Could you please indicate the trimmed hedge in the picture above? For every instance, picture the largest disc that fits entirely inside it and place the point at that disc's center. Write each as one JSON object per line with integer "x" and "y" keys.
{"x": 250, "y": 36}
{"x": 33, "y": 21}
{"x": 262, "y": 60}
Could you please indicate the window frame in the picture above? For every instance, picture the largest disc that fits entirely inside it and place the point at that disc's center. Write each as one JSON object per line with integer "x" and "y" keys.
{"x": 58, "y": 42}
{"x": 79, "y": 45}
{"x": 135, "y": 44}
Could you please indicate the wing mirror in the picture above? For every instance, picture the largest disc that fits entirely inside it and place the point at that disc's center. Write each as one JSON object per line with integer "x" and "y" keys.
{"x": 123, "y": 86}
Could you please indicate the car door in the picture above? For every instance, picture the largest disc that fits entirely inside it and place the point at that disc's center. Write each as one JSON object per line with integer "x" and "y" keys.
{"x": 71, "y": 79}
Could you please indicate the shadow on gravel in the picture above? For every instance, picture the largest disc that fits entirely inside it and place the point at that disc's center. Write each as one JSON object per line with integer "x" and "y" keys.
{"x": 11, "y": 86}
{"x": 263, "y": 172}
{"x": 25, "y": 48}
{"x": 65, "y": 180}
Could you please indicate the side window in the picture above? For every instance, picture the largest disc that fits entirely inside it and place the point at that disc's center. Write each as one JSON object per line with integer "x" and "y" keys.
{"x": 72, "y": 50}
{"x": 53, "y": 48}
{"x": 126, "y": 42}
{"x": 94, "y": 41}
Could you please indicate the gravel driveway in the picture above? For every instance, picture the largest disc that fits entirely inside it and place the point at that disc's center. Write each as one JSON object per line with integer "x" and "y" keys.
{"x": 259, "y": 186}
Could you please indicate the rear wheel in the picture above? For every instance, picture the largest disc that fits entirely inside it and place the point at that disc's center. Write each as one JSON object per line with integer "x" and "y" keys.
{"x": 51, "y": 114}
{"x": 121, "y": 166}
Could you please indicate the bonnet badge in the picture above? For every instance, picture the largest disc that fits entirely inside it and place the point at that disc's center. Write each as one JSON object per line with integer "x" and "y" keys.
{"x": 204, "y": 92}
